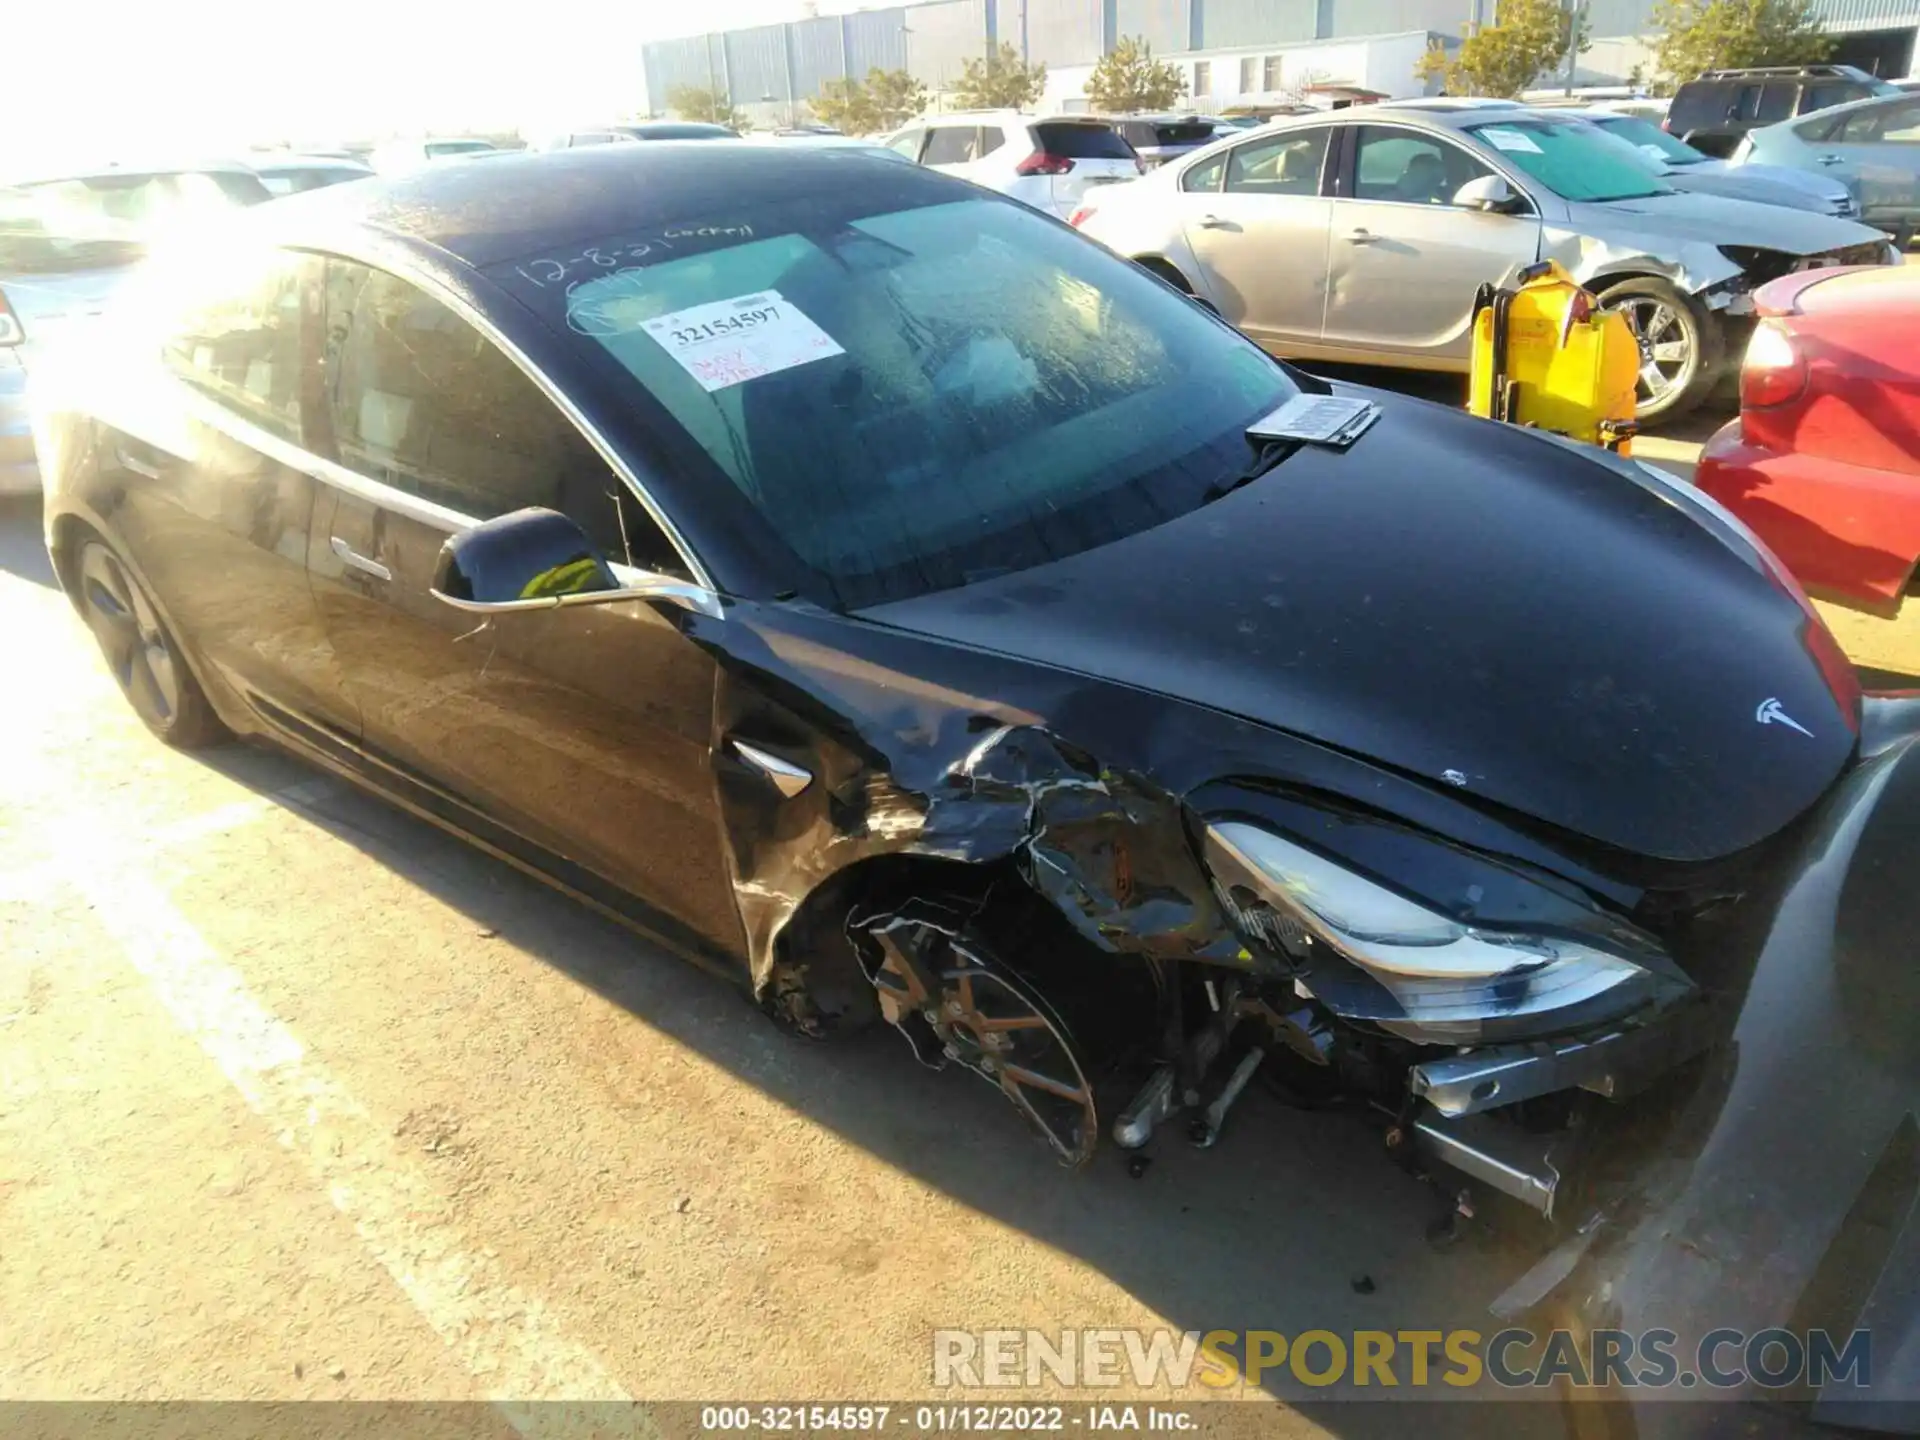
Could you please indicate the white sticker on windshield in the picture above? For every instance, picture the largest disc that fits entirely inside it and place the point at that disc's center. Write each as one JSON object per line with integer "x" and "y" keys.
{"x": 1515, "y": 141}
{"x": 731, "y": 341}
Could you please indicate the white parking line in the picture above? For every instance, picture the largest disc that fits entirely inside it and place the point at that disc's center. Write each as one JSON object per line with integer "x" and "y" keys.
{"x": 502, "y": 1334}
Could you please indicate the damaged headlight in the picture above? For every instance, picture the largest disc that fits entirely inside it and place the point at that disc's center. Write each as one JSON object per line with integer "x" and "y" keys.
{"x": 1369, "y": 953}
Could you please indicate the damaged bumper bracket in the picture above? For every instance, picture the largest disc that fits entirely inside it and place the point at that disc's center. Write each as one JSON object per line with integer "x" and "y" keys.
{"x": 1613, "y": 1063}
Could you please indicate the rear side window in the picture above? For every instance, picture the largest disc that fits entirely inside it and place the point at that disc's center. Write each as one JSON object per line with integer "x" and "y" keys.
{"x": 244, "y": 349}
{"x": 1282, "y": 165}
{"x": 950, "y": 145}
{"x": 1071, "y": 141}
{"x": 907, "y": 143}
{"x": 420, "y": 400}
{"x": 1205, "y": 176}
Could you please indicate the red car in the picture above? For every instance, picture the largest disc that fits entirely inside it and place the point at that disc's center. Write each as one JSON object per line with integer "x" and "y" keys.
{"x": 1824, "y": 461}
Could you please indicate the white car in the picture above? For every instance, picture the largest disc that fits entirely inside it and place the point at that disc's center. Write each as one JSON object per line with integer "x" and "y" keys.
{"x": 1048, "y": 162}
{"x": 397, "y": 157}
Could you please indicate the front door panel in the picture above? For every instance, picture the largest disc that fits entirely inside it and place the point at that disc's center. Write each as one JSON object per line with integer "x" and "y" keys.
{"x": 586, "y": 731}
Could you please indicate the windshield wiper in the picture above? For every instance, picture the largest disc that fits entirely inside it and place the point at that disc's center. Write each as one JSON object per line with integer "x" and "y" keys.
{"x": 1270, "y": 454}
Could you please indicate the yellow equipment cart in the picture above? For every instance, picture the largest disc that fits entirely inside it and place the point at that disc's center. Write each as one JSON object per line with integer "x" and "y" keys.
{"x": 1546, "y": 355}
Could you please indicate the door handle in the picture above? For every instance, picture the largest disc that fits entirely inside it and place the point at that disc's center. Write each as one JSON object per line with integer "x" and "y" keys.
{"x": 1212, "y": 222}
{"x": 353, "y": 558}
{"x": 129, "y": 461}
{"x": 1832, "y": 160}
{"x": 1359, "y": 237}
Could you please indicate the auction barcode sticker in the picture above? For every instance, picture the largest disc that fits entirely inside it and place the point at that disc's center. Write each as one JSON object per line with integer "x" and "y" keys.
{"x": 730, "y": 341}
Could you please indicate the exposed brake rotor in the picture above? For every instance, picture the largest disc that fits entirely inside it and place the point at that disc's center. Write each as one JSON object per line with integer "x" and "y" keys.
{"x": 954, "y": 1003}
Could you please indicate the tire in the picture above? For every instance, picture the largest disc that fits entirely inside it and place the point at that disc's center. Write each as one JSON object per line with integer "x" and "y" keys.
{"x": 141, "y": 653}
{"x": 1665, "y": 318}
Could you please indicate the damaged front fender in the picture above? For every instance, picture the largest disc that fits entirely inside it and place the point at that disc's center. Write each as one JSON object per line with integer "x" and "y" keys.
{"x": 1596, "y": 254}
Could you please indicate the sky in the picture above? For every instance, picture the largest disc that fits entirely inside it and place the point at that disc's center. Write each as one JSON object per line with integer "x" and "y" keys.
{"x": 99, "y": 79}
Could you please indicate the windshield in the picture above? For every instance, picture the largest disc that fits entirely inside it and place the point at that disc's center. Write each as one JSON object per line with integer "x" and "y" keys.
{"x": 439, "y": 148}
{"x": 1571, "y": 158}
{"x": 1649, "y": 139}
{"x": 918, "y": 398}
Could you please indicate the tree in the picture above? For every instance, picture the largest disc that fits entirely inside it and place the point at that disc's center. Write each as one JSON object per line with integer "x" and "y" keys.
{"x": 885, "y": 100}
{"x": 1002, "y": 81}
{"x": 1128, "y": 78}
{"x": 696, "y": 102}
{"x": 1701, "y": 35}
{"x": 846, "y": 105}
{"x": 897, "y": 97}
{"x": 1504, "y": 58}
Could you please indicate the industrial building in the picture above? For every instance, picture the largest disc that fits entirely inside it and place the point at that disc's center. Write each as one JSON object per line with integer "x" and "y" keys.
{"x": 1232, "y": 51}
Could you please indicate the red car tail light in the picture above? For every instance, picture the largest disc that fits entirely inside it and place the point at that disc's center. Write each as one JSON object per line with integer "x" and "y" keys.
{"x": 1774, "y": 372}
{"x": 1041, "y": 163}
{"x": 1080, "y": 216}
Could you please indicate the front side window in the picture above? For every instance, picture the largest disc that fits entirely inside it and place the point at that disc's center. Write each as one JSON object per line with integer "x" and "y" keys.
{"x": 914, "y": 398}
{"x": 1776, "y": 101}
{"x": 1282, "y": 165}
{"x": 418, "y": 399}
{"x": 1572, "y": 159}
{"x": 1409, "y": 167}
{"x": 244, "y": 348}
{"x": 1882, "y": 125}
{"x": 1820, "y": 97}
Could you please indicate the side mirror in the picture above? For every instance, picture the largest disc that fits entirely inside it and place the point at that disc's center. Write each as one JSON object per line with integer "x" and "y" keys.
{"x": 1489, "y": 192}
{"x": 536, "y": 559}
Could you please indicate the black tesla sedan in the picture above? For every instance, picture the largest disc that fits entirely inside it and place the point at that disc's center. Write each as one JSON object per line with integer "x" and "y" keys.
{"x": 867, "y": 586}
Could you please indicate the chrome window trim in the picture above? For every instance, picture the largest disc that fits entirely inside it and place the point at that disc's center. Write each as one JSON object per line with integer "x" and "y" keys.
{"x": 375, "y": 492}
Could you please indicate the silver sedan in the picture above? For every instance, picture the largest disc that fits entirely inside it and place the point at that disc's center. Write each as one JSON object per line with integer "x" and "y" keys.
{"x": 1363, "y": 236}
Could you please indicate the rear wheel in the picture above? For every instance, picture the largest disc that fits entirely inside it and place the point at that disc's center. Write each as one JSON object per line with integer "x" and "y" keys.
{"x": 141, "y": 653}
{"x": 1680, "y": 344}
{"x": 1170, "y": 273}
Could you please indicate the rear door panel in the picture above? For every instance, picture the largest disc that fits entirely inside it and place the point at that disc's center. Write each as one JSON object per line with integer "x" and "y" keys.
{"x": 1261, "y": 240}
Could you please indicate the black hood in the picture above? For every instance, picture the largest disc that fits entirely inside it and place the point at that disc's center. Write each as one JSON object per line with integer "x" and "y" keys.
{"x": 1487, "y": 609}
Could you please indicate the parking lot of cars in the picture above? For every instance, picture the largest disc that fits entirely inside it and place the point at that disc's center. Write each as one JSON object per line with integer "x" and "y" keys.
{"x": 749, "y": 545}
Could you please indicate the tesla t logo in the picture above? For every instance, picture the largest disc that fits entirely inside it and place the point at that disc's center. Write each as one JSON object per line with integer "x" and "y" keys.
{"x": 1770, "y": 713}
